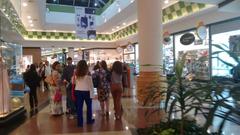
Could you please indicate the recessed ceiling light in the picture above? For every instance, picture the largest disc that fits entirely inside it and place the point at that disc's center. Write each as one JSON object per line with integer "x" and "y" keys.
{"x": 25, "y": 4}
{"x": 54, "y": 31}
{"x": 166, "y": 1}
{"x": 30, "y": 21}
{"x": 74, "y": 32}
{"x": 7, "y": 15}
{"x": 119, "y": 10}
{"x": 124, "y": 24}
{"x": 4, "y": 9}
{"x": 132, "y": 1}
{"x": 95, "y": 4}
{"x": 113, "y": 29}
{"x": 29, "y": 17}
{"x": 31, "y": 25}
{"x": 117, "y": 27}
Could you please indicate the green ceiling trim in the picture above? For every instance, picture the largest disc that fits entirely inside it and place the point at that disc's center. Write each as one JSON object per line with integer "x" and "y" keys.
{"x": 33, "y": 35}
{"x": 181, "y": 9}
{"x": 171, "y": 13}
{"x": 123, "y": 33}
{"x": 60, "y": 8}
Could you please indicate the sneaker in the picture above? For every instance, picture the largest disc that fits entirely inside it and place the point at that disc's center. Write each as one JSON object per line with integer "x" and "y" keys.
{"x": 71, "y": 117}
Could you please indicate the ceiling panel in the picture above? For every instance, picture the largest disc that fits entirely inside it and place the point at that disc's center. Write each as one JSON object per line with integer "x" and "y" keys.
{"x": 83, "y": 3}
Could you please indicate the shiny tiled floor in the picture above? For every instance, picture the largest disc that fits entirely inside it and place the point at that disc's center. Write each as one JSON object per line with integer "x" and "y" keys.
{"x": 43, "y": 123}
{"x": 134, "y": 117}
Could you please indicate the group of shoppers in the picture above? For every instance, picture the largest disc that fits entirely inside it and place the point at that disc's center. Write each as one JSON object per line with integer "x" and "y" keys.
{"x": 79, "y": 83}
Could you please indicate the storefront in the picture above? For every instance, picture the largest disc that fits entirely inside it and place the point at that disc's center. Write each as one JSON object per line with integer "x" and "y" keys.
{"x": 131, "y": 57}
{"x": 54, "y": 54}
{"x": 108, "y": 54}
{"x": 11, "y": 82}
{"x": 168, "y": 55}
{"x": 203, "y": 59}
{"x": 226, "y": 35}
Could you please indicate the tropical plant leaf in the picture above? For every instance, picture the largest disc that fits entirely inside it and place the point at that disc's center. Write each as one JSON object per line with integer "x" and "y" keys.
{"x": 217, "y": 52}
{"x": 226, "y": 63}
{"x": 231, "y": 54}
{"x": 173, "y": 103}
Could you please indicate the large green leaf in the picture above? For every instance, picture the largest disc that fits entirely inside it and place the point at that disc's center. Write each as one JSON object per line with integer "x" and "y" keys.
{"x": 225, "y": 62}
{"x": 231, "y": 54}
{"x": 170, "y": 112}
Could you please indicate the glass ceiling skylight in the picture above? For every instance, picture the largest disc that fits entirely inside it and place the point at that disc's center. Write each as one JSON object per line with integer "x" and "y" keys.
{"x": 83, "y": 3}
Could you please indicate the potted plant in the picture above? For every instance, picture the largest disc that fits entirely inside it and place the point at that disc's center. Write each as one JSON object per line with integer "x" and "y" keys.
{"x": 189, "y": 99}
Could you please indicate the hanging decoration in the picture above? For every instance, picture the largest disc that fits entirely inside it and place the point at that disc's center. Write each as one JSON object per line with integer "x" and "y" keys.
{"x": 201, "y": 31}
{"x": 119, "y": 49}
{"x": 166, "y": 38}
{"x": 85, "y": 23}
{"x": 130, "y": 47}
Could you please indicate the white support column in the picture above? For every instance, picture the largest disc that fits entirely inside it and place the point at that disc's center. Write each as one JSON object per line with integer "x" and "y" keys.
{"x": 150, "y": 45}
{"x": 150, "y": 34}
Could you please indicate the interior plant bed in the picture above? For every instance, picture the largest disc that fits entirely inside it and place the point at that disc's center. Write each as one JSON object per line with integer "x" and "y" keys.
{"x": 189, "y": 98}
{"x": 173, "y": 128}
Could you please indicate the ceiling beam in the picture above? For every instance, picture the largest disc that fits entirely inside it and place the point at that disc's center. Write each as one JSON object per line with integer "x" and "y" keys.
{"x": 89, "y": 3}
{"x": 73, "y": 2}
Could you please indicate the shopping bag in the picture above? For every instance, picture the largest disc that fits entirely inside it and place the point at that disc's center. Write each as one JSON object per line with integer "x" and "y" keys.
{"x": 57, "y": 96}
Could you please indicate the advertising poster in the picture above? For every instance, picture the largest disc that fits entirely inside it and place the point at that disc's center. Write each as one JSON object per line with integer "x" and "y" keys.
{"x": 85, "y": 23}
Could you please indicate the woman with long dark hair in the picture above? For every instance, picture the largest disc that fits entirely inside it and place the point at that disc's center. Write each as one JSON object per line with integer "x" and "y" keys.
{"x": 117, "y": 88}
{"x": 83, "y": 91}
{"x": 103, "y": 88}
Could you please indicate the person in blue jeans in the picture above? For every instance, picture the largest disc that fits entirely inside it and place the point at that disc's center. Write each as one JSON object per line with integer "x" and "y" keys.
{"x": 83, "y": 92}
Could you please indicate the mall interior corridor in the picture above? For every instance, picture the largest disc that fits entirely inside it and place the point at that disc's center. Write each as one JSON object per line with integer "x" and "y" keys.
{"x": 167, "y": 67}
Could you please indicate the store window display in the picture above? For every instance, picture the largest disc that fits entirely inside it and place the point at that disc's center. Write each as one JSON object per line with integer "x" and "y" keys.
{"x": 129, "y": 54}
{"x": 131, "y": 57}
{"x": 11, "y": 82}
{"x": 168, "y": 59}
{"x": 197, "y": 54}
{"x": 226, "y": 35}
{"x": 108, "y": 55}
{"x": 4, "y": 86}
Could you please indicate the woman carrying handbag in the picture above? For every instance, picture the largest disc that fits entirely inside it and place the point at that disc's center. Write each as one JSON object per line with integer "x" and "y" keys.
{"x": 55, "y": 90}
{"x": 83, "y": 92}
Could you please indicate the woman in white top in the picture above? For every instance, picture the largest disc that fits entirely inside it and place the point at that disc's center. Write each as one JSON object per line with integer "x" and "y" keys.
{"x": 83, "y": 91}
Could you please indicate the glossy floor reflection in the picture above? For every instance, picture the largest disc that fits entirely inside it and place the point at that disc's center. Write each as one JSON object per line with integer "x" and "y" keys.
{"x": 44, "y": 123}
{"x": 134, "y": 117}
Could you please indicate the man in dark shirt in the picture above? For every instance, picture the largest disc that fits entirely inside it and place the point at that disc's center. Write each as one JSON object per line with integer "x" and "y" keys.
{"x": 32, "y": 79}
{"x": 66, "y": 77}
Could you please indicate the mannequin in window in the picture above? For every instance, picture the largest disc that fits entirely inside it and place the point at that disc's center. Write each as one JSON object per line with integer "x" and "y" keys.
{"x": 4, "y": 88}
